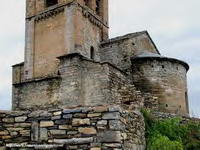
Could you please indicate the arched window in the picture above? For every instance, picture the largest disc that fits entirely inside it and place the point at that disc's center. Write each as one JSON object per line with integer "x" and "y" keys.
{"x": 51, "y": 2}
{"x": 92, "y": 52}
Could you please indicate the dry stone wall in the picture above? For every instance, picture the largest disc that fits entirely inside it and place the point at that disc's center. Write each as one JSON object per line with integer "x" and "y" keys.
{"x": 87, "y": 128}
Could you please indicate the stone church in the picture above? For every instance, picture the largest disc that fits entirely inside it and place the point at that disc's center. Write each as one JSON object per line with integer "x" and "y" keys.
{"x": 76, "y": 87}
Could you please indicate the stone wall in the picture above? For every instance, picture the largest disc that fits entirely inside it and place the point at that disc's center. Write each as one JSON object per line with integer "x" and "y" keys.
{"x": 119, "y": 50}
{"x": 80, "y": 82}
{"x": 165, "y": 79}
{"x": 88, "y": 128}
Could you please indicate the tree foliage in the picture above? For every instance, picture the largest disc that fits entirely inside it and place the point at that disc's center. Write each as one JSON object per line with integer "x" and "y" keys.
{"x": 171, "y": 134}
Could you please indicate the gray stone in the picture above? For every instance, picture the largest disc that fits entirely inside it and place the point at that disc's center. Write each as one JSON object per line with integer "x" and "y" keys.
{"x": 68, "y": 111}
{"x": 67, "y": 116}
{"x": 109, "y": 137}
{"x": 20, "y": 119}
{"x": 102, "y": 122}
{"x": 58, "y": 132}
{"x": 116, "y": 125}
{"x": 43, "y": 134}
{"x": 62, "y": 122}
{"x": 55, "y": 117}
{"x": 111, "y": 115}
{"x": 35, "y": 131}
{"x": 74, "y": 141}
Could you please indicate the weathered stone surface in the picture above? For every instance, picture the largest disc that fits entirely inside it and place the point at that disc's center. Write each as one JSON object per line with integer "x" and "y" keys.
{"x": 109, "y": 137}
{"x": 87, "y": 130}
{"x": 80, "y": 115}
{"x": 56, "y": 117}
{"x": 116, "y": 125}
{"x": 116, "y": 145}
{"x": 102, "y": 122}
{"x": 4, "y": 133}
{"x": 43, "y": 134}
{"x": 35, "y": 131}
{"x": 25, "y": 132}
{"x": 8, "y": 120}
{"x": 20, "y": 119}
{"x": 95, "y": 148}
{"x": 74, "y": 141}
{"x": 57, "y": 113}
{"x": 68, "y": 111}
{"x": 62, "y": 121}
{"x": 66, "y": 127}
{"x": 91, "y": 115}
{"x": 67, "y": 116}
{"x": 111, "y": 115}
{"x": 78, "y": 122}
{"x": 2, "y": 148}
{"x": 46, "y": 123}
{"x": 58, "y": 132}
{"x": 22, "y": 125}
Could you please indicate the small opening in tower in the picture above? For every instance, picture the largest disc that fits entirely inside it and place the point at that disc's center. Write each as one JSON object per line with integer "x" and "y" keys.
{"x": 92, "y": 52}
{"x": 51, "y": 2}
{"x": 98, "y": 7}
{"x": 86, "y": 2}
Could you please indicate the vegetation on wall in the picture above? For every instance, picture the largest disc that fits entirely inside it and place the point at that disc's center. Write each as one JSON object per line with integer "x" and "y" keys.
{"x": 171, "y": 134}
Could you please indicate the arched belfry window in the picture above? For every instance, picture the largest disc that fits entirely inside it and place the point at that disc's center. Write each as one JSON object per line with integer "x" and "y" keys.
{"x": 92, "y": 52}
{"x": 51, "y": 2}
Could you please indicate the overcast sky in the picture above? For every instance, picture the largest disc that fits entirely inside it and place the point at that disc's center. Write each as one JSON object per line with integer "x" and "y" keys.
{"x": 174, "y": 26}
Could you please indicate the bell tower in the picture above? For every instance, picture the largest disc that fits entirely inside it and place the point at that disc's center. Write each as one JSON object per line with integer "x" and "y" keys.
{"x": 59, "y": 27}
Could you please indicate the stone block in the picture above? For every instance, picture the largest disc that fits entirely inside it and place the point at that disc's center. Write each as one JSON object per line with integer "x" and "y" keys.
{"x": 109, "y": 137}
{"x": 8, "y": 120}
{"x": 20, "y": 119}
{"x": 80, "y": 115}
{"x": 68, "y": 111}
{"x": 43, "y": 134}
{"x": 58, "y": 132}
{"x": 35, "y": 131}
{"x": 22, "y": 125}
{"x": 74, "y": 141}
{"x": 116, "y": 125}
{"x": 79, "y": 122}
{"x": 46, "y": 123}
{"x": 67, "y": 116}
{"x": 25, "y": 132}
{"x": 72, "y": 132}
{"x": 102, "y": 122}
{"x": 65, "y": 127}
{"x": 57, "y": 113}
{"x": 62, "y": 121}
{"x": 100, "y": 109}
{"x": 2, "y": 148}
{"x": 115, "y": 109}
{"x": 92, "y": 115}
{"x": 56, "y": 117}
{"x": 111, "y": 115}
{"x": 95, "y": 148}
{"x": 87, "y": 131}
{"x": 113, "y": 145}
{"x": 4, "y": 133}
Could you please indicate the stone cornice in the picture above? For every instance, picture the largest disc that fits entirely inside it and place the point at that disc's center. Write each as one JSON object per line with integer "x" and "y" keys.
{"x": 52, "y": 11}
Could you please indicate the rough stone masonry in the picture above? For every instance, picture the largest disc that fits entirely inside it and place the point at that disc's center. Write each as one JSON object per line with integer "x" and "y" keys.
{"x": 78, "y": 89}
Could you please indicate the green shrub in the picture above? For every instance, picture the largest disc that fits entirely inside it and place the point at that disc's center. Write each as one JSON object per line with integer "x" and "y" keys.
{"x": 171, "y": 134}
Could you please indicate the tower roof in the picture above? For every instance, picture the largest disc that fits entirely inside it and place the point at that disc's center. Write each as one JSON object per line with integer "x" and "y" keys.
{"x": 153, "y": 56}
